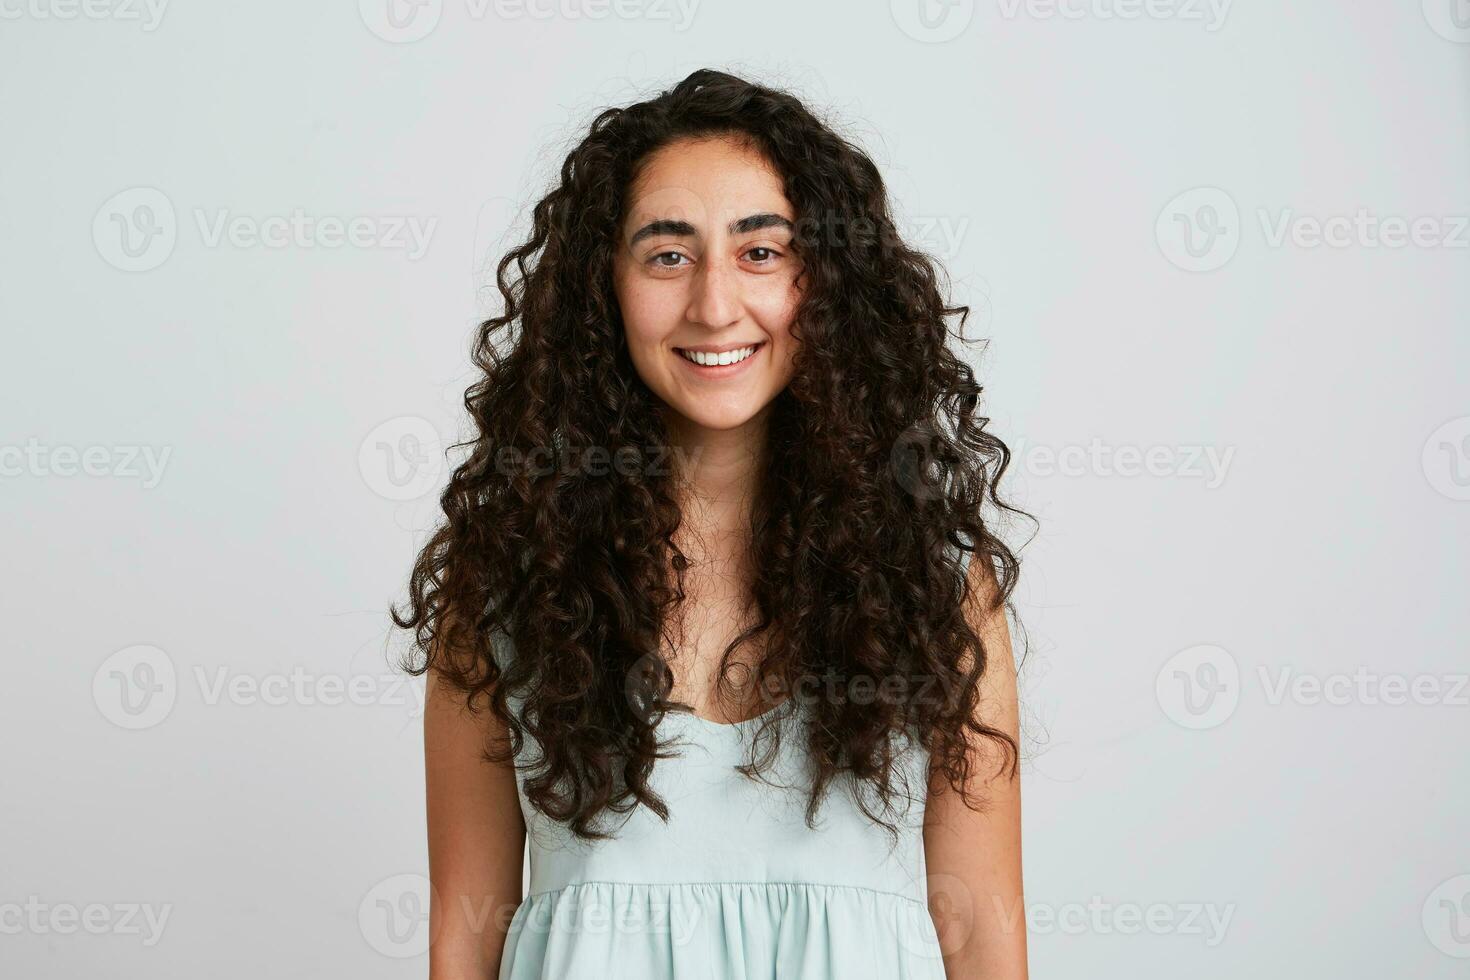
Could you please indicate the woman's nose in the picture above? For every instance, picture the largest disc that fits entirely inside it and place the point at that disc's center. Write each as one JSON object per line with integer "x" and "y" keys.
{"x": 716, "y": 299}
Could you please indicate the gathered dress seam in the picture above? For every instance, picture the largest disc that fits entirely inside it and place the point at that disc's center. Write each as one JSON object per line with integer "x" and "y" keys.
{"x": 696, "y": 884}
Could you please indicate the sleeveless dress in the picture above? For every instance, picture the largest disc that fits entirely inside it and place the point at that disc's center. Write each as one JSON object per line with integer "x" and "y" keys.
{"x": 735, "y": 886}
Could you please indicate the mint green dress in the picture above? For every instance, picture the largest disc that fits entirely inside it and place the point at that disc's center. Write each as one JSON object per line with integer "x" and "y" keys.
{"x": 735, "y": 886}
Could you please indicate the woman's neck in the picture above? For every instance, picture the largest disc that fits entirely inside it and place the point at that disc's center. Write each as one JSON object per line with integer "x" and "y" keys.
{"x": 719, "y": 471}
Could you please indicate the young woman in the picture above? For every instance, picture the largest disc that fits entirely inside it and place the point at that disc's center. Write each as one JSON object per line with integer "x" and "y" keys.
{"x": 713, "y": 620}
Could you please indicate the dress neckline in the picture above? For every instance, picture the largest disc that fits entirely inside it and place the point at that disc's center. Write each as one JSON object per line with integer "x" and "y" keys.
{"x": 751, "y": 722}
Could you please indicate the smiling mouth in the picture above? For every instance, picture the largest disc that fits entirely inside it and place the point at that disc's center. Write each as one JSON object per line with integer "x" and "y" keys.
{"x": 722, "y": 359}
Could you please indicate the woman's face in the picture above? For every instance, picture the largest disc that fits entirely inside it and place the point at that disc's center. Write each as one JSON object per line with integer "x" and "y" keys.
{"x": 704, "y": 266}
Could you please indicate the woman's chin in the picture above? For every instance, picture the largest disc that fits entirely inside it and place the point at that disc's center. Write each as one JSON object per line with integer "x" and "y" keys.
{"x": 699, "y": 417}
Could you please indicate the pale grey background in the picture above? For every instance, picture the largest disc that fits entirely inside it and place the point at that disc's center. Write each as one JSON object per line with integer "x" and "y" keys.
{"x": 1041, "y": 152}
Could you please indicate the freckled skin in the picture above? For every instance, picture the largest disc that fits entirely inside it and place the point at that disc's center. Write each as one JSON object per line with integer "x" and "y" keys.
{"x": 709, "y": 287}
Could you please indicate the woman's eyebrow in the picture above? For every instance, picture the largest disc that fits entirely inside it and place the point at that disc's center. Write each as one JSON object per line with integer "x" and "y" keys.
{"x": 683, "y": 229}
{"x": 756, "y": 222}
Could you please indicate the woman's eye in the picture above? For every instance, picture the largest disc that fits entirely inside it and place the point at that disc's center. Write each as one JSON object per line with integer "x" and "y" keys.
{"x": 760, "y": 254}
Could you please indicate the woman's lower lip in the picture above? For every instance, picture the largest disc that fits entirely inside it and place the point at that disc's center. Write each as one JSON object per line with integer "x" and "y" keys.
{"x": 720, "y": 371}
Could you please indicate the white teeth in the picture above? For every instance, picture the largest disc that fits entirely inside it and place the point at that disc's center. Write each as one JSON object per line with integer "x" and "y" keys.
{"x": 710, "y": 360}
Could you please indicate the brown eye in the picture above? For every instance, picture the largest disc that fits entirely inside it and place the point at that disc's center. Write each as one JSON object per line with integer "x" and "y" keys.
{"x": 654, "y": 260}
{"x": 761, "y": 248}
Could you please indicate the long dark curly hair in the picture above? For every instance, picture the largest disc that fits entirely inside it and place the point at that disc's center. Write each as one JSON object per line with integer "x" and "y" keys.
{"x": 868, "y": 513}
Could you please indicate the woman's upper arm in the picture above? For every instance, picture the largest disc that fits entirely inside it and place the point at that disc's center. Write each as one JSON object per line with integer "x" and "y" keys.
{"x": 477, "y": 837}
{"x": 974, "y": 859}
